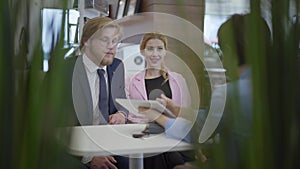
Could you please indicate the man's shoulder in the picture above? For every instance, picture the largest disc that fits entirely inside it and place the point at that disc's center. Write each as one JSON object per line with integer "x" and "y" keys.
{"x": 71, "y": 59}
{"x": 116, "y": 62}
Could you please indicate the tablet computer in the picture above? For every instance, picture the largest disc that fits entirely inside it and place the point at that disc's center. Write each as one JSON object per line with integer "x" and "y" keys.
{"x": 133, "y": 105}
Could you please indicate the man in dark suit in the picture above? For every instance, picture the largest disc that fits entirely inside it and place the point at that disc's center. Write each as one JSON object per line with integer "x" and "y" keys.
{"x": 98, "y": 45}
{"x": 98, "y": 78}
{"x": 70, "y": 95}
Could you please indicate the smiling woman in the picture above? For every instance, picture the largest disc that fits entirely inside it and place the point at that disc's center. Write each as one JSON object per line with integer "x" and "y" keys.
{"x": 154, "y": 53}
{"x": 156, "y": 79}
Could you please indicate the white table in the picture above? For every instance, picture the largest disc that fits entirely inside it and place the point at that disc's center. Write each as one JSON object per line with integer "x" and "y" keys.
{"x": 117, "y": 140}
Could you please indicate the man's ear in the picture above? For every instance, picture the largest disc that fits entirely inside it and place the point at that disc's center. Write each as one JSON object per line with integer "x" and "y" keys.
{"x": 86, "y": 43}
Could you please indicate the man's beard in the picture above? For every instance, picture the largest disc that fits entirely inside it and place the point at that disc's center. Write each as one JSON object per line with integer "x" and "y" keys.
{"x": 106, "y": 61}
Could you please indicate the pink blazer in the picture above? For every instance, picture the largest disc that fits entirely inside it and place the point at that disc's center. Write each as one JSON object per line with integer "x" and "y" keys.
{"x": 136, "y": 89}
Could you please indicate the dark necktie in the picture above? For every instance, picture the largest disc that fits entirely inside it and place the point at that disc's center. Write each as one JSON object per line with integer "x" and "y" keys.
{"x": 103, "y": 100}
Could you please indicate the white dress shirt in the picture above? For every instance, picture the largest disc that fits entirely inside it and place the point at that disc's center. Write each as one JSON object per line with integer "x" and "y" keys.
{"x": 93, "y": 78}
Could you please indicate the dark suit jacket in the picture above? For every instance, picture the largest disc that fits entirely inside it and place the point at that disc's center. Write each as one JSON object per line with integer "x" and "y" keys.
{"x": 81, "y": 92}
{"x": 65, "y": 78}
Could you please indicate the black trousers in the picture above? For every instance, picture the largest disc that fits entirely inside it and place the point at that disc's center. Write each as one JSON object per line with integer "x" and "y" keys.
{"x": 122, "y": 162}
{"x": 168, "y": 160}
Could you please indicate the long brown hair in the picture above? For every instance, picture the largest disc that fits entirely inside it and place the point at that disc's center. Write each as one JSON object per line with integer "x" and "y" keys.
{"x": 163, "y": 38}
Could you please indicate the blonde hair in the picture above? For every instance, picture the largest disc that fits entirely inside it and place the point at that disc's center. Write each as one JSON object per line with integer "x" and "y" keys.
{"x": 163, "y": 38}
{"x": 95, "y": 24}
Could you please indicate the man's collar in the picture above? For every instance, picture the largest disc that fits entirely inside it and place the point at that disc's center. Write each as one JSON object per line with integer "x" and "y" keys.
{"x": 90, "y": 65}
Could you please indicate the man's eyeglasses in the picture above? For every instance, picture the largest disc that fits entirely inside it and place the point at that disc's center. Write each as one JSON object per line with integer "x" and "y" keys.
{"x": 108, "y": 42}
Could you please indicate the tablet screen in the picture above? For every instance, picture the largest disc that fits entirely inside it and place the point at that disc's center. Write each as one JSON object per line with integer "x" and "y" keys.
{"x": 133, "y": 105}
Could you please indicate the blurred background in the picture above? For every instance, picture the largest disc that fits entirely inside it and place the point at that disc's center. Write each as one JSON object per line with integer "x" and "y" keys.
{"x": 36, "y": 35}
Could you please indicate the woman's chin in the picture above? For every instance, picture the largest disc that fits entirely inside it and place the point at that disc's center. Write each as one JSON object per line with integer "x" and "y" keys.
{"x": 154, "y": 67}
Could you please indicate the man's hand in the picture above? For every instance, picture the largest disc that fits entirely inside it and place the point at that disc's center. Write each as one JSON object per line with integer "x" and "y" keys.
{"x": 154, "y": 115}
{"x": 151, "y": 115}
{"x": 117, "y": 118}
{"x": 103, "y": 162}
{"x": 170, "y": 104}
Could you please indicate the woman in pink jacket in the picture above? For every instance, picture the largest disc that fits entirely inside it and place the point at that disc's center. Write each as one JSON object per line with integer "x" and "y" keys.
{"x": 156, "y": 79}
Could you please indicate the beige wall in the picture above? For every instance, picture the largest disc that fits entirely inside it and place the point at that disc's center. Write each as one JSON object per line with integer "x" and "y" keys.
{"x": 191, "y": 10}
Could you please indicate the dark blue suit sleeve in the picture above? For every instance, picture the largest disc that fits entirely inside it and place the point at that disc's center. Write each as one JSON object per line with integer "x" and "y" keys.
{"x": 116, "y": 75}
